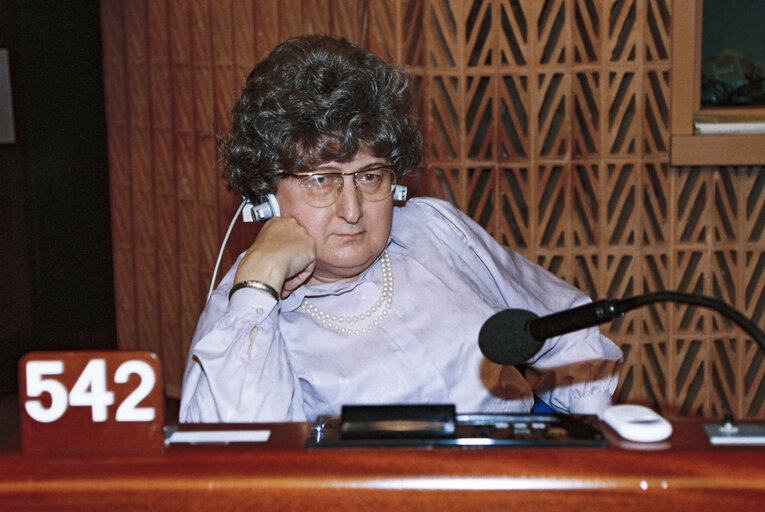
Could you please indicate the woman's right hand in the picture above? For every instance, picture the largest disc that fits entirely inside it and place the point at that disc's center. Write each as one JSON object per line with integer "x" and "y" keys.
{"x": 283, "y": 256}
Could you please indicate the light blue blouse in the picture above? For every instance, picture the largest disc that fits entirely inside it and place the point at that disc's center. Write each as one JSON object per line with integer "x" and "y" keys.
{"x": 449, "y": 277}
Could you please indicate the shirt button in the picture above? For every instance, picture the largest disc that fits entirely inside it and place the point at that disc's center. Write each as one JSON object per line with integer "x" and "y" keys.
{"x": 259, "y": 311}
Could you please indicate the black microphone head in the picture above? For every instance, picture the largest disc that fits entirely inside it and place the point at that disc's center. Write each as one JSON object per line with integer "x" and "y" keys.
{"x": 505, "y": 339}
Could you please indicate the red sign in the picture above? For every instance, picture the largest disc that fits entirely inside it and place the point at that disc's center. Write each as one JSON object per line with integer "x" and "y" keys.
{"x": 91, "y": 401}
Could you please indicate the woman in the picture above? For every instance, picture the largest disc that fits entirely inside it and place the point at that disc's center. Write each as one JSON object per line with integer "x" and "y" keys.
{"x": 344, "y": 299}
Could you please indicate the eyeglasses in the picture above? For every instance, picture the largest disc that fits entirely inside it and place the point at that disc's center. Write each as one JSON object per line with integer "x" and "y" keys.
{"x": 321, "y": 189}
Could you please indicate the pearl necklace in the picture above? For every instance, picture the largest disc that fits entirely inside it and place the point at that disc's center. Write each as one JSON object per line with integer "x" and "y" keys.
{"x": 346, "y": 324}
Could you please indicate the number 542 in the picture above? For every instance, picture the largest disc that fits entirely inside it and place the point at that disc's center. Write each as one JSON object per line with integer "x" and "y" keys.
{"x": 89, "y": 390}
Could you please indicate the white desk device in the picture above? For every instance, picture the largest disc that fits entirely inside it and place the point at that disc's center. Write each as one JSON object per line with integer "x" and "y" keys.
{"x": 637, "y": 423}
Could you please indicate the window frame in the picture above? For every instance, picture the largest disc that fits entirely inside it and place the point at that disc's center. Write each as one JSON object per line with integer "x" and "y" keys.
{"x": 687, "y": 147}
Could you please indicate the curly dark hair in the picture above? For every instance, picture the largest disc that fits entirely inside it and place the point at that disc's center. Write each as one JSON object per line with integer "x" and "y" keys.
{"x": 316, "y": 99}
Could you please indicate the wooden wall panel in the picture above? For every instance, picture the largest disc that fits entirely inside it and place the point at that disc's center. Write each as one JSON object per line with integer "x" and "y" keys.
{"x": 547, "y": 122}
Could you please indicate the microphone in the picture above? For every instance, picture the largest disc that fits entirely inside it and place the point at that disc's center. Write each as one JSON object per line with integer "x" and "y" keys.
{"x": 513, "y": 336}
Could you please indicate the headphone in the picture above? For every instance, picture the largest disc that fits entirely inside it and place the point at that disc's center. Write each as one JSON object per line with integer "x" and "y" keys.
{"x": 269, "y": 206}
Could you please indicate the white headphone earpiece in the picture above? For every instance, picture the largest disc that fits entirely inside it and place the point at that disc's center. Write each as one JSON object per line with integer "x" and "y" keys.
{"x": 264, "y": 211}
{"x": 399, "y": 192}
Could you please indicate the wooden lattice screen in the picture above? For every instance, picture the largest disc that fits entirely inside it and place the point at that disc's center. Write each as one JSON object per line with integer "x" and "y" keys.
{"x": 547, "y": 121}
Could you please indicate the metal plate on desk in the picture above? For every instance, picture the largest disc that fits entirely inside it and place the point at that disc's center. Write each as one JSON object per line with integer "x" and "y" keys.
{"x": 473, "y": 430}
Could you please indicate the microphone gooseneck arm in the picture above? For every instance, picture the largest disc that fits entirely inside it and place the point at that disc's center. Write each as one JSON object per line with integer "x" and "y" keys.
{"x": 742, "y": 321}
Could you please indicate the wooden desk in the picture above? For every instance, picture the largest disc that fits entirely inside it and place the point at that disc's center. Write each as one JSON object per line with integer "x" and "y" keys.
{"x": 685, "y": 473}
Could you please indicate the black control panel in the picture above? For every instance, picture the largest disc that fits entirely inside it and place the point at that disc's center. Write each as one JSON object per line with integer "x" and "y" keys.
{"x": 381, "y": 428}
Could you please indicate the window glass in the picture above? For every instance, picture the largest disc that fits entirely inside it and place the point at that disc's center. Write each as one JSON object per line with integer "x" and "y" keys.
{"x": 733, "y": 53}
